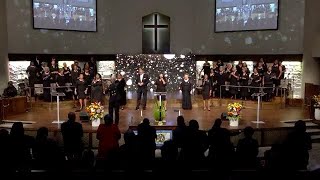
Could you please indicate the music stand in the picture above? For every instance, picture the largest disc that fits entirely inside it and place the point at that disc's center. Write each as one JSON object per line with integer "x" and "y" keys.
{"x": 160, "y": 101}
{"x": 58, "y": 95}
{"x": 258, "y": 95}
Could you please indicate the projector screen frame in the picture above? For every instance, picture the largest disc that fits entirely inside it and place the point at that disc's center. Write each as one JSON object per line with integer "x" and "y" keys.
{"x": 245, "y": 30}
{"x": 57, "y": 29}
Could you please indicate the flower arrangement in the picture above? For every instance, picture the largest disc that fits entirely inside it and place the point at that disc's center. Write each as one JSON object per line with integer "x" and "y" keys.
{"x": 234, "y": 110}
{"x": 95, "y": 111}
{"x": 316, "y": 99}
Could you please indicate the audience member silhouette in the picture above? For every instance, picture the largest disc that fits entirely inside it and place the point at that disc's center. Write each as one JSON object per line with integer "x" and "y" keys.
{"x": 247, "y": 149}
{"x": 128, "y": 152}
{"x": 4, "y": 150}
{"x": 169, "y": 151}
{"x": 146, "y": 140}
{"x": 108, "y": 135}
{"x": 221, "y": 150}
{"x": 297, "y": 145}
{"x": 196, "y": 143}
{"x": 179, "y": 133}
{"x": 72, "y": 133}
{"x": 46, "y": 151}
{"x": 20, "y": 147}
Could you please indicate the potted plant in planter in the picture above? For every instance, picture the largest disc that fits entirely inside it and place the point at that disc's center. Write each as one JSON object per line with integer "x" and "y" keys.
{"x": 316, "y": 105}
{"x": 96, "y": 113}
{"x": 234, "y": 110}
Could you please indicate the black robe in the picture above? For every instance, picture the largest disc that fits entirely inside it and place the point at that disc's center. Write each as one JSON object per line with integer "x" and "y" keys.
{"x": 122, "y": 91}
{"x": 186, "y": 88}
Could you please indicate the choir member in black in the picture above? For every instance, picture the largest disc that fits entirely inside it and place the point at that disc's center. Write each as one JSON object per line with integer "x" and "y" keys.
{"x": 97, "y": 89}
{"x": 74, "y": 78}
{"x": 122, "y": 91}
{"x": 32, "y": 76}
{"x": 213, "y": 81}
{"x": 261, "y": 69}
{"x": 60, "y": 82}
{"x": 244, "y": 79}
{"x": 186, "y": 88}
{"x": 81, "y": 91}
{"x": 93, "y": 67}
{"x": 206, "y": 92}
{"x": 220, "y": 63}
{"x": 277, "y": 71}
{"x": 86, "y": 66}
{"x": 87, "y": 77}
{"x": 239, "y": 67}
{"x": 221, "y": 77}
{"x": 206, "y": 67}
{"x": 283, "y": 70}
{"x": 142, "y": 81}
{"x": 161, "y": 84}
{"x": 256, "y": 81}
{"x": 53, "y": 70}
{"x": 46, "y": 79}
{"x": 76, "y": 63}
{"x": 114, "y": 100}
{"x": 267, "y": 82}
{"x": 246, "y": 67}
{"x": 66, "y": 73}
{"x": 234, "y": 78}
{"x": 215, "y": 67}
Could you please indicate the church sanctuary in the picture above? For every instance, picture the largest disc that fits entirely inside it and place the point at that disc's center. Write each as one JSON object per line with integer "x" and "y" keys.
{"x": 222, "y": 89}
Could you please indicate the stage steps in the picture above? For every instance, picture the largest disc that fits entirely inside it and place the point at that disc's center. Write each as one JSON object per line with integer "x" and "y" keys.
{"x": 312, "y": 128}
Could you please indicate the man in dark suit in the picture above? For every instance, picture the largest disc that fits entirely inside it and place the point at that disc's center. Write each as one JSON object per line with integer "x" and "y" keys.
{"x": 142, "y": 81}
{"x": 72, "y": 133}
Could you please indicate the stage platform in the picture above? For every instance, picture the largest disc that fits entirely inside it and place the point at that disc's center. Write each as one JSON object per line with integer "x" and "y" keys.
{"x": 275, "y": 115}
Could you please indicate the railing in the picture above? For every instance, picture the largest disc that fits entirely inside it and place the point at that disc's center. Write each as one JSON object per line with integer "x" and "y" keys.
{"x": 260, "y": 89}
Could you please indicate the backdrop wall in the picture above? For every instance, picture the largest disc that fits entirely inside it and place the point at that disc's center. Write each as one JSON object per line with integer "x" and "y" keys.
{"x": 120, "y": 30}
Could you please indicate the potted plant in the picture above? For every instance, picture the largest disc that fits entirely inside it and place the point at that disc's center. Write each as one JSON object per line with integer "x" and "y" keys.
{"x": 96, "y": 113}
{"x": 234, "y": 110}
{"x": 316, "y": 105}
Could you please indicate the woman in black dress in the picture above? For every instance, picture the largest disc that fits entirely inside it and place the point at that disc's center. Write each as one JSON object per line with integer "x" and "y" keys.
{"x": 256, "y": 81}
{"x": 161, "y": 84}
{"x": 234, "y": 78}
{"x": 66, "y": 73}
{"x": 121, "y": 87}
{"x": 268, "y": 83}
{"x": 277, "y": 71}
{"x": 244, "y": 79}
{"x": 74, "y": 78}
{"x": 81, "y": 90}
{"x": 186, "y": 88}
{"x": 46, "y": 80}
{"x": 60, "y": 81}
{"x": 97, "y": 89}
{"x": 206, "y": 92}
{"x": 53, "y": 70}
{"x": 32, "y": 76}
{"x": 213, "y": 80}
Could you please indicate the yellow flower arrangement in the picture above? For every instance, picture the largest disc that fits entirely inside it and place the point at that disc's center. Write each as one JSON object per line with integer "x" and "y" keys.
{"x": 234, "y": 110}
{"x": 95, "y": 111}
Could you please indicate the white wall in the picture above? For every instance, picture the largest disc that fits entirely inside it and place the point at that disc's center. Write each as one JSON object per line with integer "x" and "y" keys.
{"x": 120, "y": 30}
{"x": 3, "y": 47}
{"x": 310, "y": 65}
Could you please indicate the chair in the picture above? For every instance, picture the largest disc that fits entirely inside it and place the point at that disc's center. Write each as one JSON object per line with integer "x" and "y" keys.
{"x": 68, "y": 87}
{"x": 38, "y": 89}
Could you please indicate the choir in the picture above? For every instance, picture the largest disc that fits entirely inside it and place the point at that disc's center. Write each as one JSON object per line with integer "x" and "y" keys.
{"x": 231, "y": 81}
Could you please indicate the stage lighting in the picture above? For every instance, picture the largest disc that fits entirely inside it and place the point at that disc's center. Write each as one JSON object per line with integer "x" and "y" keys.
{"x": 169, "y": 56}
